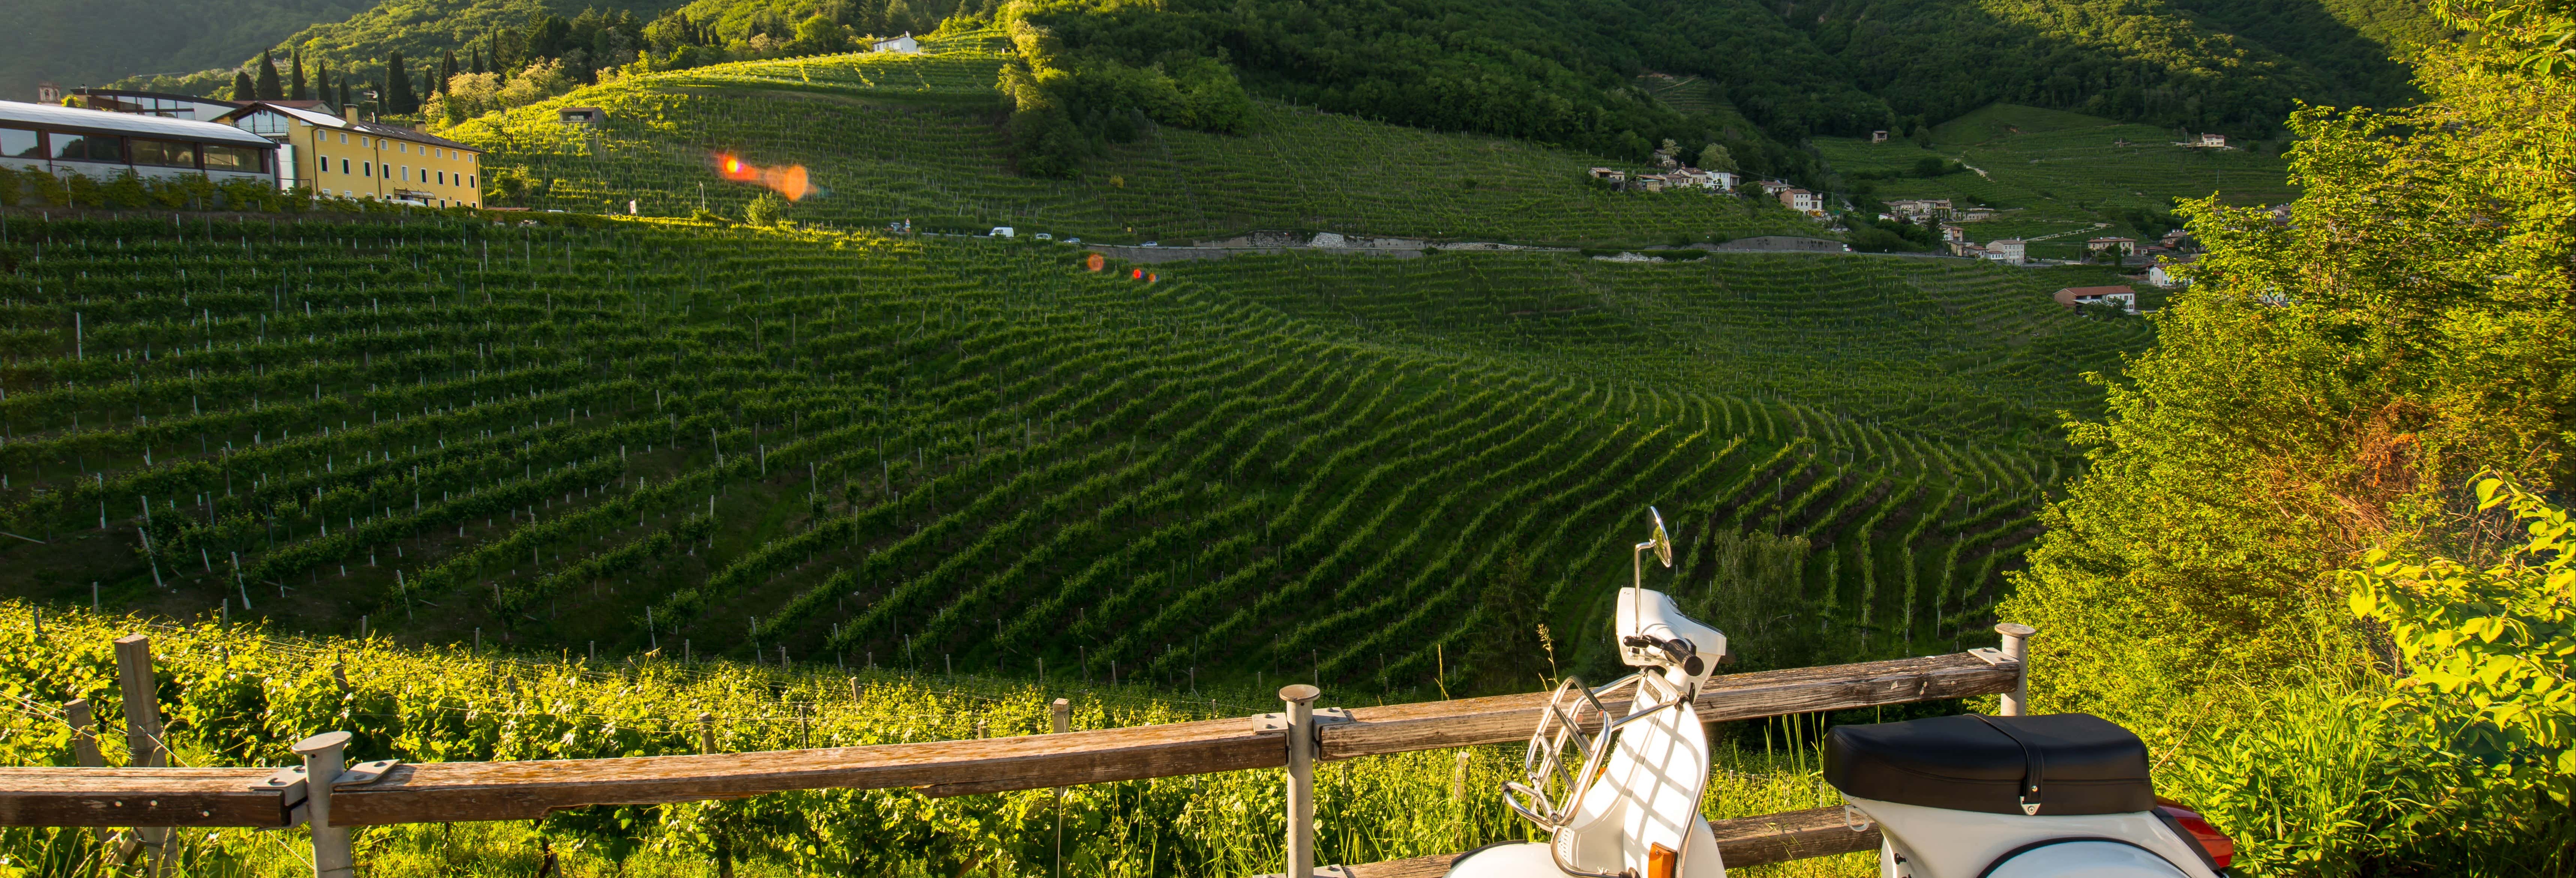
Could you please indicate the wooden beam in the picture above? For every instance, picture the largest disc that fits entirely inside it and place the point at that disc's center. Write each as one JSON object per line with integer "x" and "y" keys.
{"x": 1741, "y": 842}
{"x": 138, "y": 797}
{"x": 469, "y": 791}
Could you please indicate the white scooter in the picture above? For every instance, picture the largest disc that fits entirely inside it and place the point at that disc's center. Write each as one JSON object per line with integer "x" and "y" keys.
{"x": 1616, "y": 774}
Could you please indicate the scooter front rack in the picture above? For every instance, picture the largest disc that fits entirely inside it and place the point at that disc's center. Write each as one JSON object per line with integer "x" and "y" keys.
{"x": 1571, "y": 709}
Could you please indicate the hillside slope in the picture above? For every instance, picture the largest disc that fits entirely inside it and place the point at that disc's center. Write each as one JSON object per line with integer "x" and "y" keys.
{"x": 917, "y": 137}
{"x": 924, "y": 453}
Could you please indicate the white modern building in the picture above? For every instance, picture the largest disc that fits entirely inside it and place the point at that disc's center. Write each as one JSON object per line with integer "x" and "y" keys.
{"x": 100, "y": 145}
{"x": 903, "y": 43}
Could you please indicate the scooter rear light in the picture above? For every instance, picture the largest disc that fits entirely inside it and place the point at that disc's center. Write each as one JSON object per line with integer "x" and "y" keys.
{"x": 2214, "y": 845}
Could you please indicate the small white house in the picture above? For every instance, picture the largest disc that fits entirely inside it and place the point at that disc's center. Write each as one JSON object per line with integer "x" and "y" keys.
{"x": 2074, "y": 297}
{"x": 2012, "y": 250}
{"x": 1802, "y": 201}
{"x": 903, "y": 43}
{"x": 2215, "y": 141}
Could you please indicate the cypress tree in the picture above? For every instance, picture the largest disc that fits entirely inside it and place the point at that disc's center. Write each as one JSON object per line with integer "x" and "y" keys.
{"x": 295, "y": 90}
{"x": 344, "y": 96}
{"x": 242, "y": 88}
{"x": 397, "y": 96}
{"x": 446, "y": 71}
{"x": 269, "y": 87}
{"x": 322, "y": 85}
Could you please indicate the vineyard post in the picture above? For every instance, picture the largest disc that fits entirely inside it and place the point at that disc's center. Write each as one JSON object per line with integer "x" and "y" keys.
{"x": 323, "y": 764}
{"x": 2017, "y": 649}
{"x": 142, "y": 716}
{"x": 1301, "y": 778}
{"x": 1061, "y": 712}
{"x": 76, "y": 714}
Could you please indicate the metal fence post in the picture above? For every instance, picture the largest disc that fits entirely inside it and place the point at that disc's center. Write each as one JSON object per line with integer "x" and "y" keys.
{"x": 2017, "y": 648}
{"x": 1301, "y": 778}
{"x": 323, "y": 764}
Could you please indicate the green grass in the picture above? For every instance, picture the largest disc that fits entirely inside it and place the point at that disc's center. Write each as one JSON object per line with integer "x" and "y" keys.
{"x": 897, "y": 137}
{"x": 235, "y": 697}
{"x": 2062, "y": 170}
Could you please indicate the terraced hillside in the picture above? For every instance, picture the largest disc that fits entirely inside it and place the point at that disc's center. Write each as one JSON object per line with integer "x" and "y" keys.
{"x": 917, "y": 137}
{"x": 2064, "y": 171}
{"x": 847, "y": 449}
{"x": 1970, "y": 351}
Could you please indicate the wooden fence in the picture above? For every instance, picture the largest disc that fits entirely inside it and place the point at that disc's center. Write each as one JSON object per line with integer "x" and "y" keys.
{"x": 443, "y": 792}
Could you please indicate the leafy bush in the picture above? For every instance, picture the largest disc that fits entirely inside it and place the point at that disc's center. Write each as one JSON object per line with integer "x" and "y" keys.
{"x": 765, "y": 209}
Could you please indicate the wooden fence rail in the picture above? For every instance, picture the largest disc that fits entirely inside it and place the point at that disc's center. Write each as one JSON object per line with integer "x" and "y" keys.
{"x": 442, "y": 792}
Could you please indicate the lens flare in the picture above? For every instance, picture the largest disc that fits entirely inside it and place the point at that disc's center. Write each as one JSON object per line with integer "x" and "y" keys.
{"x": 787, "y": 180}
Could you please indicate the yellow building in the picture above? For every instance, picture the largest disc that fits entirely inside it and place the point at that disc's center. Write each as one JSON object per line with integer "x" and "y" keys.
{"x": 351, "y": 159}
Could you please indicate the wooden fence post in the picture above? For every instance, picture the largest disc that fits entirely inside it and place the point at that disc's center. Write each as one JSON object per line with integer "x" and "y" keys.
{"x": 1301, "y": 778}
{"x": 77, "y": 715}
{"x": 143, "y": 742}
{"x": 1061, "y": 712}
{"x": 2017, "y": 647}
{"x": 324, "y": 761}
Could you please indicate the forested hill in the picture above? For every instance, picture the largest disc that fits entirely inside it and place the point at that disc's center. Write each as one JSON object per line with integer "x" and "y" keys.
{"x": 1558, "y": 71}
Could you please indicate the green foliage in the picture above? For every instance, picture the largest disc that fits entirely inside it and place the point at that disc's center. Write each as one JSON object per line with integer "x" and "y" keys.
{"x": 2494, "y": 645}
{"x": 2315, "y": 393}
{"x": 766, "y": 209}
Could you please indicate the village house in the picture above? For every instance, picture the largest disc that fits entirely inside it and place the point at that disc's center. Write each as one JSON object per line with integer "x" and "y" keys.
{"x": 1803, "y": 201}
{"x": 1772, "y": 188}
{"x": 2215, "y": 141}
{"x": 2123, "y": 246}
{"x": 1921, "y": 209}
{"x": 903, "y": 43}
{"x": 2125, "y": 297}
{"x": 2014, "y": 251}
{"x": 1878, "y": 137}
{"x": 345, "y": 158}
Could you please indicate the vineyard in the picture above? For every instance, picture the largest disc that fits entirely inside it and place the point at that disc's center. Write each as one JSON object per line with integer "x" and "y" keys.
{"x": 1963, "y": 350}
{"x": 2064, "y": 171}
{"x": 917, "y": 137}
{"x": 236, "y": 697}
{"x": 825, "y": 448}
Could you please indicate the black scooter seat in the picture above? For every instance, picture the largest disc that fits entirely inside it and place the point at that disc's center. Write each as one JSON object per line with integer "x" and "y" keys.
{"x": 2066, "y": 764}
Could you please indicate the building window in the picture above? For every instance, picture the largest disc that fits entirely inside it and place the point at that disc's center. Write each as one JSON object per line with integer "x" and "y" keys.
{"x": 406, "y": 173}
{"x": 19, "y": 143}
{"x": 366, "y": 169}
{"x": 235, "y": 158}
{"x": 88, "y": 147}
{"x": 165, "y": 153}
{"x": 442, "y": 178}
{"x": 344, "y": 166}
{"x": 344, "y": 137}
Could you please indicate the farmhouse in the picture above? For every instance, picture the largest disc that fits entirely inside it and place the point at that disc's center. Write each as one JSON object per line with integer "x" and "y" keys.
{"x": 2218, "y": 141}
{"x": 1775, "y": 187}
{"x": 2122, "y": 246}
{"x": 1803, "y": 201}
{"x": 100, "y": 145}
{"x": 350, "y": 159}
{"x": 1920, "y": 209}
{"x": 903, "y": 43}
{"x": 2125, "y": 297}
{"x": 2012, "y": 250}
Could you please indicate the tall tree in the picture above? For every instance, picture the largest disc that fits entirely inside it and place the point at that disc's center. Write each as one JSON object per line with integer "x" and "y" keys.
{"x": 270, "y": 89}
{"x": 322, "y": 84}
{"x": 295, "y": 90}
{"x": 446, "y": 71}
{"x": 243, "y": 90}
{"x": 397, "y": 95}
{"x": 346, "y": 105}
